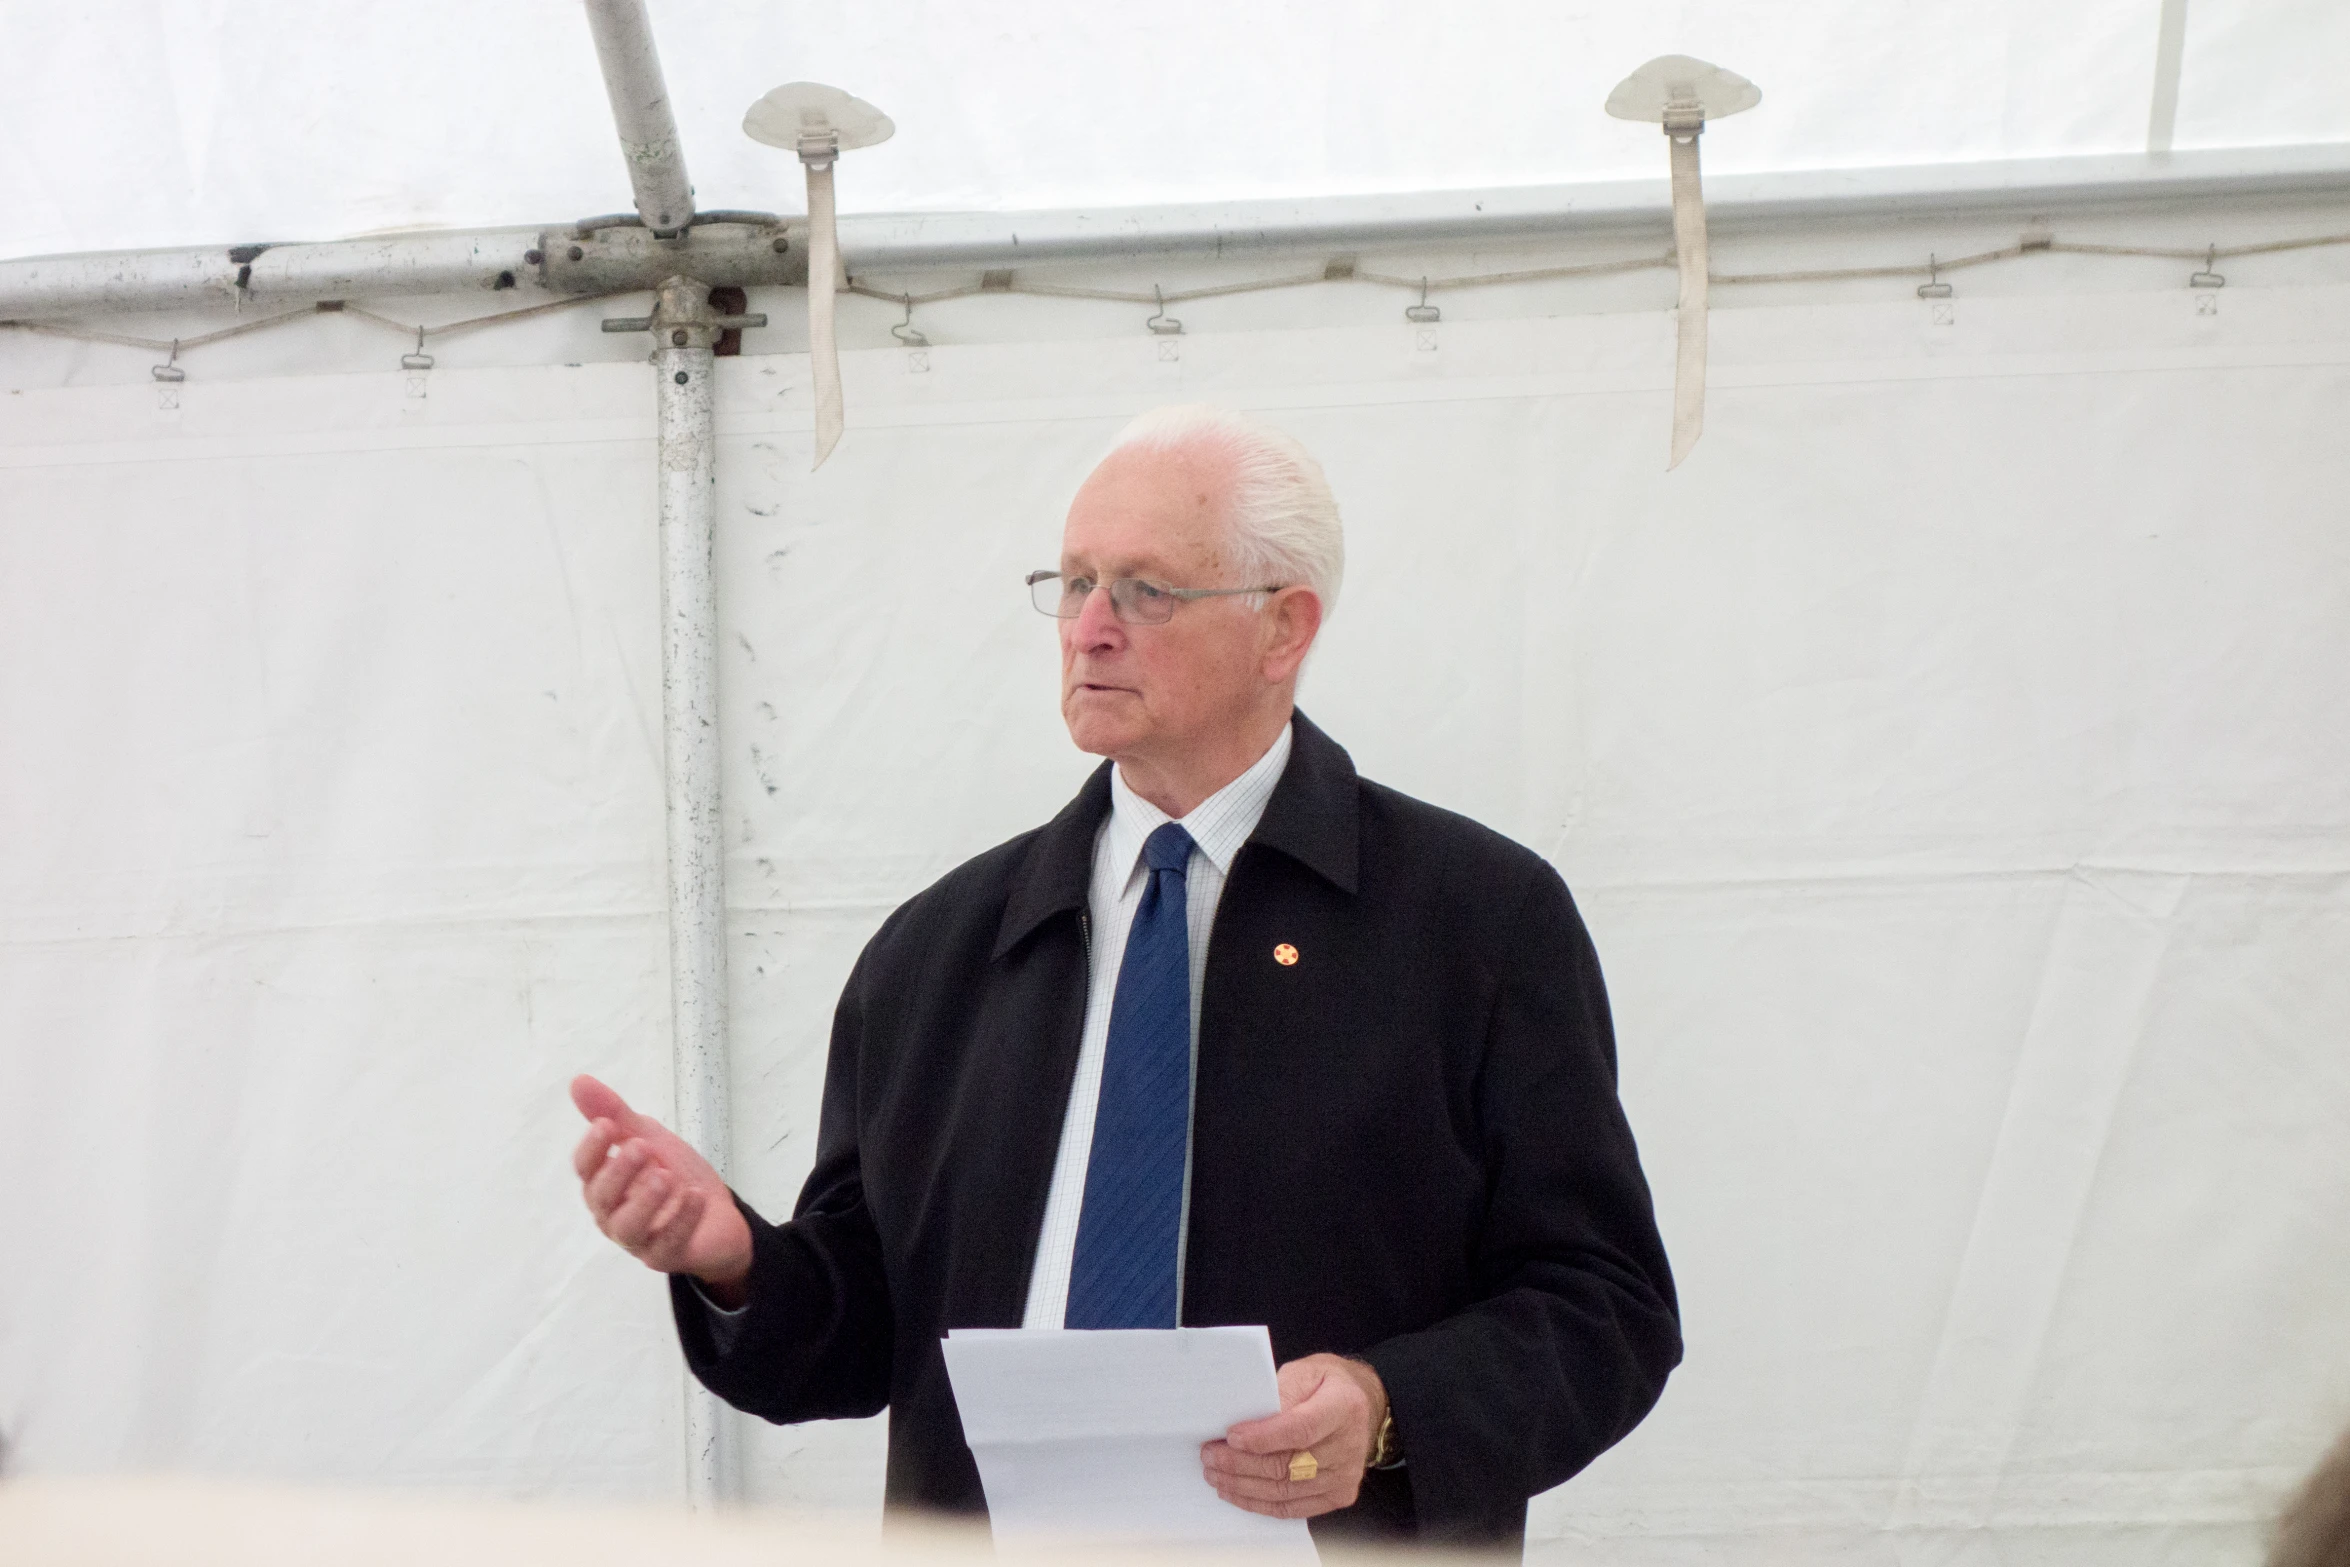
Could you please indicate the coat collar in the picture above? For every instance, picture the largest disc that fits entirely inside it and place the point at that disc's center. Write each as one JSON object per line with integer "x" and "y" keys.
{"x": 1312, "y": 818}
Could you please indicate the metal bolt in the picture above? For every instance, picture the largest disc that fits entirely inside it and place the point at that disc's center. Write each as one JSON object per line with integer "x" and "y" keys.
{"x": 782, "y": 245}
{"x": 578, "y": 254}
{"x": 681, "y": 377}
{"x": 677, "y": 338}
{"x": 533, "y": 257}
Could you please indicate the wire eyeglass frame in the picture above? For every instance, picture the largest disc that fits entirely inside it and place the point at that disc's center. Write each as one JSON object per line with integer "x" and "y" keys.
{"x": 1136, "y": 601}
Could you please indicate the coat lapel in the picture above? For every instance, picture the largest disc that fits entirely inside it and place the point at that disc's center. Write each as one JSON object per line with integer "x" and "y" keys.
{"x": 1313, "y": 815}
{"x": 1011, "y": 1128}
{"x": 1058, "y": 872}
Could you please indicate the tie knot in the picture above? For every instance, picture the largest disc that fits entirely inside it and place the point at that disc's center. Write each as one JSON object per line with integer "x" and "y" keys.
{"x": 1167, "y": 849}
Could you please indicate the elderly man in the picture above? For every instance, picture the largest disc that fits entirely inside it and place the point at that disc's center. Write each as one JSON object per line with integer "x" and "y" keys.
{"x": 1237, "y": 1037}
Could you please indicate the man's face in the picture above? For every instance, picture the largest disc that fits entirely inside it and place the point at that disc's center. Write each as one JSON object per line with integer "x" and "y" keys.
{"x": 1141, "y": 691}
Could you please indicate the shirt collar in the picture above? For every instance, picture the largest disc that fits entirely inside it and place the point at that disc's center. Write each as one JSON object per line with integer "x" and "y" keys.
{"x": 1218, "y": 825}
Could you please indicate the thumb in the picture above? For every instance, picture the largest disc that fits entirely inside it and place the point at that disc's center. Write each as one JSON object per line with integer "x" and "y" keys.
{"x": 1300, "y": 1422}
{"x": 1300, "y": 1380}
{"x": 599, "y": 1103}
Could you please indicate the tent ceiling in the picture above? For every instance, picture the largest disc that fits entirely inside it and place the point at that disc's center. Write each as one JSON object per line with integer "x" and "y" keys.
{"x": 136, "y": 123}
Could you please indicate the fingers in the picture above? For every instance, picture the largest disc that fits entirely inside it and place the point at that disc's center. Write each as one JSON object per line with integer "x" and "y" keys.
{"x": 589, "y": 1156}
{"x": 599, "y": 1103}
{"x": 631, "y": 1219}
{"x": 1325, "y": 1411}
{"x": 1266, "y": 1475}
{"x": 655, "y": 1219}
{"x": 1222, "y": 1458}
{"x": 1309, "y": 1507}
{"x": 671, "y": 1211}
{"x": 1260, "y": 1483}
{"x": 1315, "y": 1420}
{"x": 673, "y": 1228}
{"x": 1298, "y": 1380}
{"x": 1280, "y": 1493}
{"x": 610, "y": 1183}
{"x": 1313, "y": 1408}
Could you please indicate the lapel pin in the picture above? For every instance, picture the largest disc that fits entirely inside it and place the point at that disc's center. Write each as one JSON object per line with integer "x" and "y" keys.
{"x": 1285, "y": 955}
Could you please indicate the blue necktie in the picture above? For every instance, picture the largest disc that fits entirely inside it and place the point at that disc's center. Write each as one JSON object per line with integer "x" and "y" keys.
{"x": 1123, "y": 1275}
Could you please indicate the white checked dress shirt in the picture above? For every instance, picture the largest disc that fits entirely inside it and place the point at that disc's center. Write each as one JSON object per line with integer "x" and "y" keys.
{"x": 1218, "y": 825}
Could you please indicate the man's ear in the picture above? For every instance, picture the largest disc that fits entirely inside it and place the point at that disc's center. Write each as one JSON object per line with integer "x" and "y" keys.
{"x": 1294, "y": 619}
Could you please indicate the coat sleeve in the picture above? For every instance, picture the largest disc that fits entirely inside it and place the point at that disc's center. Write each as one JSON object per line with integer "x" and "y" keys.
{"x": 1573, "y": 1326}
{"x": 813, "y": 1341}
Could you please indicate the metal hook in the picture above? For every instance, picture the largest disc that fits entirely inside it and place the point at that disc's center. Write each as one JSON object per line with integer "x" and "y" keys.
{"x": 1423, "y": 312}
{"x": 170, "y": 369}
{"x": 904, "y": 331}
{"x": 420, "y": 360}
{"x": 1162, "y": 323}
{"x": 1933, "y": 287}
{"x": 2208, "y": 277}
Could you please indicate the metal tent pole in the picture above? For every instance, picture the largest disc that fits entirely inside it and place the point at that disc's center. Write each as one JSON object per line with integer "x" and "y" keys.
{"x": 747, "y": 251}
{"x": 640, "y": 109}
{"x": 685, "y": 331}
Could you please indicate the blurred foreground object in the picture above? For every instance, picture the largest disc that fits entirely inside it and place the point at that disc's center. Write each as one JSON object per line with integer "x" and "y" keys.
{"x": 151, "y": 1522}
{"x": 174, "y": 1522}
{"x": 2315, "y": 1530}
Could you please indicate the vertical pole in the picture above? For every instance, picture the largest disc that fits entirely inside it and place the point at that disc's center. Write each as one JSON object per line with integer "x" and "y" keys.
{"x": 684, "y": 332}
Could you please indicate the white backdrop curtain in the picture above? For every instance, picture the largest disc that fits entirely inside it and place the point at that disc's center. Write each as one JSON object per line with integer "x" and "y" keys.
{"x": 1950, "y": 761}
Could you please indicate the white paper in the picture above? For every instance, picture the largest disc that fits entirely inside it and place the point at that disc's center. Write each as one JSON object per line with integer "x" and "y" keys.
{"x": 1096, "y": 1435}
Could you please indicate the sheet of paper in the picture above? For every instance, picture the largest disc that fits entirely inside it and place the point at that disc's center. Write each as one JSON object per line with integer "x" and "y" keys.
{"x": 1096, "y": 1435}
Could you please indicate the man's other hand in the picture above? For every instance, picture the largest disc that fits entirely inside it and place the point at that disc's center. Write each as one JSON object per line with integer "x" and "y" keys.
{"x": 1330, "y": 1407}
{"x": 658, "y": 1199}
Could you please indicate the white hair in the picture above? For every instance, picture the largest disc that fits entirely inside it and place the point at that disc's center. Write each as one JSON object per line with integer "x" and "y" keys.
{"x": 1285, "y": 528}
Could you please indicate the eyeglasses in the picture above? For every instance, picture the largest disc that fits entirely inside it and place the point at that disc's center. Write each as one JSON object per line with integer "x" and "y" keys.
{"x": 1137, "y": 601}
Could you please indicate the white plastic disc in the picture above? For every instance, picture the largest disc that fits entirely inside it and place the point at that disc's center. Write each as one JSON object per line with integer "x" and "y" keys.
{"x": 1675, "y": 78}
{"x": 799, "y": 108}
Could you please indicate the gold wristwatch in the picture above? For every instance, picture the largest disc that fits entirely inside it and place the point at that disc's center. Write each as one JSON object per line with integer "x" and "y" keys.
{"x": 1387, "y": 1452}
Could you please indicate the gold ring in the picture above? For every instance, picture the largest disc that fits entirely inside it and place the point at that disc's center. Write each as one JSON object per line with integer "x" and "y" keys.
{"x": 1303, "y": 1465}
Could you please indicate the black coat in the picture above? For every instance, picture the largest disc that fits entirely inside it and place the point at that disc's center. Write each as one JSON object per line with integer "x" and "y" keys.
{"x": 1406, "y": 1147}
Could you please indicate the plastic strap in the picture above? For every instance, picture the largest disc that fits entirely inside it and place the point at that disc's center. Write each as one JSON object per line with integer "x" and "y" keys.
{"x": 823, "y": 346}
{"x": 1689, "y": 246}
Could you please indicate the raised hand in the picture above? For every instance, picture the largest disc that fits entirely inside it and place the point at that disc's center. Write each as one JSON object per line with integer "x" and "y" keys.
{"x": 656, "y": 1198}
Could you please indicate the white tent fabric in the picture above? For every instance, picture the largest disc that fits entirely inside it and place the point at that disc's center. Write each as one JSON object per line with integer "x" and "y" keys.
{"x": 134, "y": 123}
{"x": 1948, "y": 760}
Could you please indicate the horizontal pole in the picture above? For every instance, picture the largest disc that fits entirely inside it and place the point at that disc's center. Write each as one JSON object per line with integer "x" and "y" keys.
{"x": 558, "y": 260}
{"x": 749, "y": 254}
{"x": 395, "y": 264}
{"x": 915, "y": 241}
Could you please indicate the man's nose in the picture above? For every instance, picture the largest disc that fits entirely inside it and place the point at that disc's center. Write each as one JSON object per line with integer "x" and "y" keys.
{"x": 1097, "y": 624}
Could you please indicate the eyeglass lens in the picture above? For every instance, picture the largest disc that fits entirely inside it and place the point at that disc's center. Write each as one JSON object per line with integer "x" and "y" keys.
{"x": 1132, "y": 599}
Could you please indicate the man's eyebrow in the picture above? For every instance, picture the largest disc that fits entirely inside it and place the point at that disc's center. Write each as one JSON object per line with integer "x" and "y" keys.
{"x": 1124, "y": 568}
